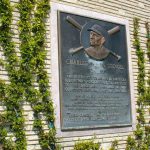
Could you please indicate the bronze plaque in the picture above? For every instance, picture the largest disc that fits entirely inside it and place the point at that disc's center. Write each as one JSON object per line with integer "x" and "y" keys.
{"x": 94, "y": 78}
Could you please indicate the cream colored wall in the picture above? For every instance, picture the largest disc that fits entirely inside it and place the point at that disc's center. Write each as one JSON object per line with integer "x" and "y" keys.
{"x": 127, "y": 9}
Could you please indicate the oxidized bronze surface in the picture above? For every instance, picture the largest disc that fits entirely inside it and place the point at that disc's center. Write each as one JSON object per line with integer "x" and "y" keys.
{"x": 94, "y": 81}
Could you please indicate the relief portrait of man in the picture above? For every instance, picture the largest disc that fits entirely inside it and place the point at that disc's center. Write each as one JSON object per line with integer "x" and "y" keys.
{"x": 97, "y": 40}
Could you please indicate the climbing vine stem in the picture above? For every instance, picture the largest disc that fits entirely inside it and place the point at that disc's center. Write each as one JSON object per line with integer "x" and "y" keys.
{"x": 11, "y": 93}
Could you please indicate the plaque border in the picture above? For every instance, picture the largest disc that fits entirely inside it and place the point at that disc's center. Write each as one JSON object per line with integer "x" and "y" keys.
{"x": 61, "y": 87}
{"x": 55, "y": 67}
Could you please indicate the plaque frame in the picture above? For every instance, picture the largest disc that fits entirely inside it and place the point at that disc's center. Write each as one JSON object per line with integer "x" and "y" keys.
{"x": 55, "y": 7}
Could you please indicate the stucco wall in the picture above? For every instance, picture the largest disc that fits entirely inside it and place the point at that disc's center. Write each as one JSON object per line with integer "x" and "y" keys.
{"x": 118, "y": 8}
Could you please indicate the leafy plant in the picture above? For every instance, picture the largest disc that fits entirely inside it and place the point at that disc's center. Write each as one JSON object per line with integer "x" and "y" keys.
{"x": 114, "y": 145}
{"x": 86, "y": 145}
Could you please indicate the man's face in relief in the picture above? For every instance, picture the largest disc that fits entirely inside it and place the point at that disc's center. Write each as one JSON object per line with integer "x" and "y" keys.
{"x": 95, "y": 39}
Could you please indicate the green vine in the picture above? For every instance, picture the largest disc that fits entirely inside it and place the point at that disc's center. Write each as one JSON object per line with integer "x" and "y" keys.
{"x": 147, "y": 97}
{"x": 23, "y": 73}
{"x": 141, "y": 141}
{"x": 148, "y": 38}
{"x": 47, "y": 140}
{"x": 147, "y": 26}
{"x": 11, "y": 94}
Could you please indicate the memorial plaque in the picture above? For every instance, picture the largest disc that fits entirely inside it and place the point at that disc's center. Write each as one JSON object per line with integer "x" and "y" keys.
{"x": 94, "y": 75}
